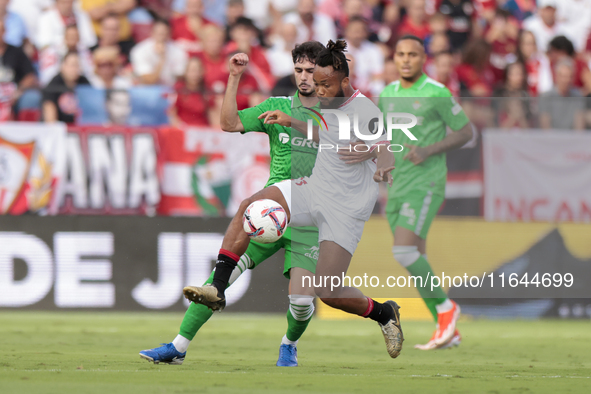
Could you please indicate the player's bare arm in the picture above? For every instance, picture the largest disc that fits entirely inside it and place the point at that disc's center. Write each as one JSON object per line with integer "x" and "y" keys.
{"x": 457, "y": 139}
{"x": 385, "y": 165}
{"x": 357, "y": 156}
{"x": 282, "y": 119}
{"x": 229, "y": 119}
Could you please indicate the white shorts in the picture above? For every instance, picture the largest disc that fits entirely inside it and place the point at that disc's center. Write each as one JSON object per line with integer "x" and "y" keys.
{"x": 307, "y": 209}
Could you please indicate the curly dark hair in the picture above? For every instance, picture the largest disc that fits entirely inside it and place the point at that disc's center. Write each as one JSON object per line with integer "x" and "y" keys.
{"x": 334, "y": 55}
{"x": 308, "y": 50}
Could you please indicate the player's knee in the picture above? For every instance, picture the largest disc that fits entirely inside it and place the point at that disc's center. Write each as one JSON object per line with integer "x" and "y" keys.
{"x": 301, "y": 306}
{"x": 406, "y": 254}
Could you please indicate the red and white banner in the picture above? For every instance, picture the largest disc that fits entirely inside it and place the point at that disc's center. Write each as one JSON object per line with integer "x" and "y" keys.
{"x": 208, "y": 172}
{"x": 537, "y": 176}
{"x": 32, "y": 166}
{"x": 111, "y": 170}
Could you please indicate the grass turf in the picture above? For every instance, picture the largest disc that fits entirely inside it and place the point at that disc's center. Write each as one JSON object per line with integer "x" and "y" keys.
{"x": 97, "y": 352}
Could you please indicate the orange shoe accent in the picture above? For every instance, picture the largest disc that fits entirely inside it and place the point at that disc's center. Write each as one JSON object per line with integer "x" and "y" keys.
{"x": 446, "y": 325}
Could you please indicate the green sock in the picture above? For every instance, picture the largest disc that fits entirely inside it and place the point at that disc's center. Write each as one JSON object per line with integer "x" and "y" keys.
{"x": 298, "y": 318}
{"x": 195, "y": 317}
{"x": 434, "y": 297}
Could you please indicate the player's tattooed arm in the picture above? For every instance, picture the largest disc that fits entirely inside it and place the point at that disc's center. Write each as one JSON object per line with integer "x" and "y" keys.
{"x": 457, "y": 139}
{"x": 229, "y": 119}
{"x": 385, "y": 165}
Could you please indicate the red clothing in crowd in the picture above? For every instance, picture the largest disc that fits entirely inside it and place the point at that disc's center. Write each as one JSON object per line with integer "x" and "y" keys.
{"x": 407, "y": 27}
{"x": 533, "y": 67}
{"x": 472, "y": 78}
{"x": 184, "y": 36}
{"x": 191, "y": 106}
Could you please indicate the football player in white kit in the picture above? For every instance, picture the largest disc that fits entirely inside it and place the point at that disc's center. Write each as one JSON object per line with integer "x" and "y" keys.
{"x": 338, "y": 198}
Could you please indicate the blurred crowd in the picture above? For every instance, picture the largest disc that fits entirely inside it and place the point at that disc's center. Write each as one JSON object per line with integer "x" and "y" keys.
{"x": 511, "y": 49}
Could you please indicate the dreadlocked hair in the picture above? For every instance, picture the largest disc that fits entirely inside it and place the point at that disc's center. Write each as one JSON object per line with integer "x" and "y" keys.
{"x": 334, "y": 55}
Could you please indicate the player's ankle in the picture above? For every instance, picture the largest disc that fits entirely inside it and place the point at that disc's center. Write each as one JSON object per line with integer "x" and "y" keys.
{"x": 378, "y": 312}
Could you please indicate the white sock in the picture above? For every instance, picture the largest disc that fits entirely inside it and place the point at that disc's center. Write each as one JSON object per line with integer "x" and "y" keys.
{"x": 445, "y": 306}
{"x": 285, "y": 341}
{"x": 181, "y": 343}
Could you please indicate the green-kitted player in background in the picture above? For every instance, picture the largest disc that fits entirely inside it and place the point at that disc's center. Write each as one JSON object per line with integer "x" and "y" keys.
{"x": 292, "y": 156}
{"x": 421, "y": 171}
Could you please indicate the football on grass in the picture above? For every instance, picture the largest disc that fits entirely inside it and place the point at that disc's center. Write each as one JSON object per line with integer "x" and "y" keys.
{"x": 264, "y": 221}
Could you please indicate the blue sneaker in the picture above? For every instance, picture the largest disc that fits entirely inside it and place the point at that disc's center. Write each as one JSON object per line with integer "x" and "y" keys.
{"x": 288, "y": 356}
{"x": 166, "y": 354}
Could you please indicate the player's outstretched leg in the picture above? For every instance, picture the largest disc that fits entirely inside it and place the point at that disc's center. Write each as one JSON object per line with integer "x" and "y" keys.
{"x": 333, "y": 262}
{"x": 407, "y": 251}
{"x": 234, "y": 245}
{"x": 195, "y": 317}
{"x": 299, "y": 315}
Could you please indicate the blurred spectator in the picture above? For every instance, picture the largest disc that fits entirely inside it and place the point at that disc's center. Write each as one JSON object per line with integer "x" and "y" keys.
{"x": 341, "y": 11}
{"x": 191, "y": 106}
{"x": 234, "y": 10}
{"x": 16, "y": 75}
{"x": 501, "y": 34}
{"x": 475, "y": 73}
{"x": 214, "y": 59}
{"x": 390, "y": 72}
{"x": 520, "y": 9}
{"x": 575, "y": 15}
{"x": 368, "y": 71}
{"x": 444, "y": 72}
{"x": 437, "y": 26}
{"x": 186, "y": 29}
{"x": 99, "y": 9}
{"x": 560, "y": 48}
{"x": 415, "y": 22}
{"x": 50, "y": 57}
{"x": 562, "y": 108}
{"x": 243, "y": 36}
{"x": 118, "y": 106}
{"x": 16, "y": 30}
{"x": 158, "y": 60}
{"x": 279, "y": 55}
{"x": 107, "y": 63}
{"x": 159, "y": 9}
{"x": 110, "y": 37}
{"x": 311, "y": 25}
{"x": 265, "y": 12}
{"x": 214, "y": 10}
{"x": 539, "y": 77}
{"x": 437, "y": 43}
{"x": 53, "y": 23}
{"x": 513, "y": 104}
{"x": 30, "y": 11}
{"x": 59, "y": 97}
{"x": 459, "y": 14}
{"x": 543, "y": 24}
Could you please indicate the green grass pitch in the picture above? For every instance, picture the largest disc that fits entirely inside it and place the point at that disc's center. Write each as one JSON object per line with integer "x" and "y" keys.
{"x": 97, "y": 352}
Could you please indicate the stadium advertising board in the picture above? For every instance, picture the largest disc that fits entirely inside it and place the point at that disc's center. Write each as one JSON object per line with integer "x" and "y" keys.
{"x": 537, "y": 176}
{"x": 122, "y": 263}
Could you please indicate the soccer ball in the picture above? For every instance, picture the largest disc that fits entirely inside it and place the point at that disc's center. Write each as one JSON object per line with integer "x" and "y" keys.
{"x": 264, "y": 221}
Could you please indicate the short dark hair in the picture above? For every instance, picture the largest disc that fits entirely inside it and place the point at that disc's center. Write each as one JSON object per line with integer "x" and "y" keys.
{"x": 334, "y": 55}
{"x": 308, "y": 50}
{"x": 162, "y": 21}
{"x": 411, "y": 37}
{"x": 563, "y": 44}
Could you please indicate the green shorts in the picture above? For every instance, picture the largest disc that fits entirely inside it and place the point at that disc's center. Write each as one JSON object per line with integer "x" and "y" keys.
{"x": 414, "y": 211}
{"x": 301, "y": 249}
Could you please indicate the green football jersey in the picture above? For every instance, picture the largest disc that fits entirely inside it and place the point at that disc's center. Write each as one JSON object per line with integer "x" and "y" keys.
{"x": 435, "y": 108}
{"x": 292, "y": 155}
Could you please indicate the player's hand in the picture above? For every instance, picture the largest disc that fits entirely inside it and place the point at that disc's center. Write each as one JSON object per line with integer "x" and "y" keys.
{"x": 238, "y": 64}
{"x": 383, "y": 175}
{"x": 354, "y": 156}
{"x": 417, "y": 154}
{"x": 276, "y": 117}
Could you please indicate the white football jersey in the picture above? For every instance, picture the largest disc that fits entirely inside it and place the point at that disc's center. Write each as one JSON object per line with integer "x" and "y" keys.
{"x": 349, "y": 186}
